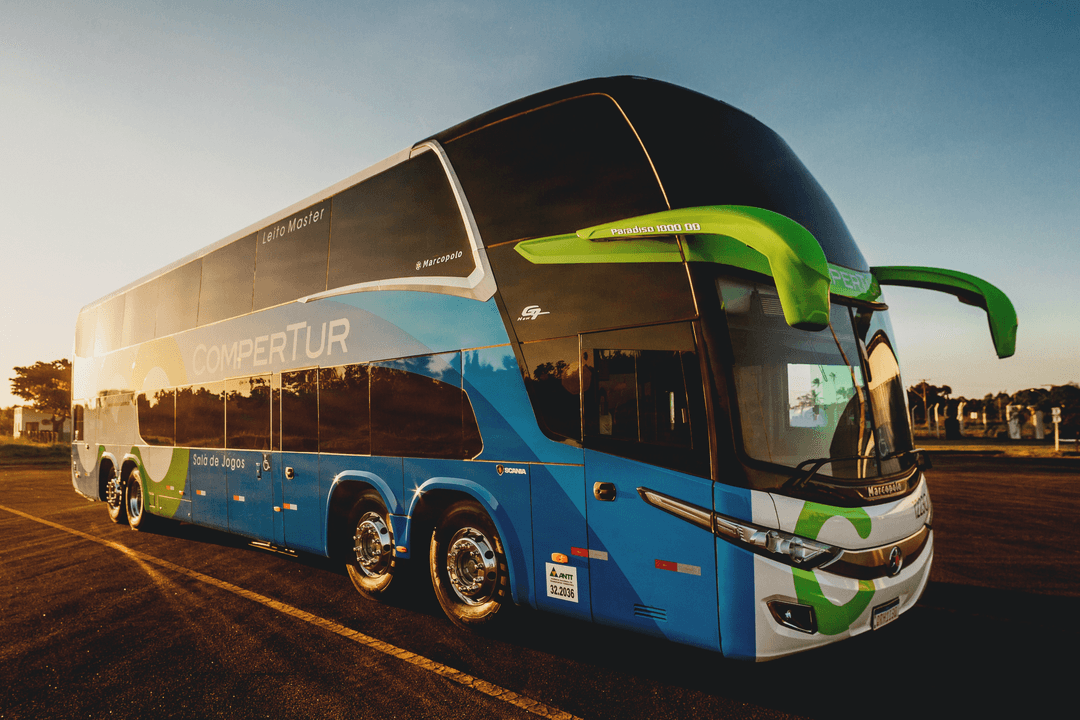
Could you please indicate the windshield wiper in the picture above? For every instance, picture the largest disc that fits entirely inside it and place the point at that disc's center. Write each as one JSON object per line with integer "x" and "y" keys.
{"x": 922, "y": 460}
{"x": 801, "y": 478}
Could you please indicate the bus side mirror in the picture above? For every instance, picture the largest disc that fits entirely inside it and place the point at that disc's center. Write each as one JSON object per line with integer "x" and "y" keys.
{"x": 968, "y": 289}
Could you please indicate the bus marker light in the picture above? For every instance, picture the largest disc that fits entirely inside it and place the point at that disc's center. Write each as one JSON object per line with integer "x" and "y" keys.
{"x": 277, "y": 508}
{"x": 201, "y": 492}
{"x": 678, "y": 567}
{"x": 591, "y": 554}
{"x": 238, "y": 498}
{"x": 402, "y": 549}
{"x": 290, "y": 506}
{"x": 559, "y": 558}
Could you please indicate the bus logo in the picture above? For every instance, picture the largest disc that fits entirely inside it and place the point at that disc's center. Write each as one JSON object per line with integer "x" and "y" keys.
{"x": 532, "y": 312}
{"x": 896, "y": 561}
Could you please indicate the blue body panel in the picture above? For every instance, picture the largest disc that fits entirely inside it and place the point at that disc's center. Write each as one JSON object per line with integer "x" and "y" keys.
{"x": 209, "y": 491}
{"x": 250, "y": 494}
{"x": 735, "y": 573}
{"x": 659, "y": 575}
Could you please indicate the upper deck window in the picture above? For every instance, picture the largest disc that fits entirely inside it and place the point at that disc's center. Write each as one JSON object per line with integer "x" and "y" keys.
{"x": 555, "y": 169}
{"x": 403, "y": 222}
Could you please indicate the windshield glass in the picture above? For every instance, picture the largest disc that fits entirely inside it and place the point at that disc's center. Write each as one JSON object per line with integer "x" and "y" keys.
{"x": 833, "y": 396}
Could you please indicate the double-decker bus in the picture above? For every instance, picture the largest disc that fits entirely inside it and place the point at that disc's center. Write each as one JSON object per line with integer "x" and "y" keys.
{"x": 607, "y": 351}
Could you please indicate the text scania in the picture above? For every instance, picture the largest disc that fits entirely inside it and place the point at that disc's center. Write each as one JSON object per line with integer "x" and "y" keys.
{"x": 276, "y": 349}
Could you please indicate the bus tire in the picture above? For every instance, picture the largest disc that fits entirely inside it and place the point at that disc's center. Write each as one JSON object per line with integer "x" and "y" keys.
{"x": 114, "y": 499}
{"x": 372, "y": 558}
{"x": 468, "y": 566}
{"x": 137, "y": 516}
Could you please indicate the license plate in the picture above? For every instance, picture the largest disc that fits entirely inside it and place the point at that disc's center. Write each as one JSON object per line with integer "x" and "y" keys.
{"x": 885, "y": 614}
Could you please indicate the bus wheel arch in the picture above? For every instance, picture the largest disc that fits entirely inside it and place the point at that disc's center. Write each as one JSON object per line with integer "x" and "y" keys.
{"x": 468, "y": 565}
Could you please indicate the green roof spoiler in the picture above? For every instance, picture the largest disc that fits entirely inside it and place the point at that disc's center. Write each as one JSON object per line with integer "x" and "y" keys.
{"x": 767, "y": 242}
{"x": 969, "y": 289}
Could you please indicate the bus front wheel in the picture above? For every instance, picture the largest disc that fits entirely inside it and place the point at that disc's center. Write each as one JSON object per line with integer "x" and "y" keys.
{"x": 372, "y": 559}
{"x": 468, "y": 566}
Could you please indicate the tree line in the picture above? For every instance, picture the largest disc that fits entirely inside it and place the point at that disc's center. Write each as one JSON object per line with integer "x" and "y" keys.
{"x": 1041, "y": 399}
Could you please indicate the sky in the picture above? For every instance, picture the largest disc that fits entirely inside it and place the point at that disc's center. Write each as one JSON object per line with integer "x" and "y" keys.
{"x": 946, "y": 133}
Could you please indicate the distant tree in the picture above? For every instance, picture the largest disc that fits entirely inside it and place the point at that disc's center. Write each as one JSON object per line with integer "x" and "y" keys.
{"x": 924, "y": 395}
{"x": 1032, "y": 397}
{"x": 48, "y": 388}
{"x": 7, "y": 421}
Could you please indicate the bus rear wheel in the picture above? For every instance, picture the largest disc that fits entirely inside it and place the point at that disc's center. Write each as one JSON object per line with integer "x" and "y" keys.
{"x": 372, "y": 559}
{"x": 114, "y": 499}
{"x": 468, "y": 566}
{"x": 137, "y": 516}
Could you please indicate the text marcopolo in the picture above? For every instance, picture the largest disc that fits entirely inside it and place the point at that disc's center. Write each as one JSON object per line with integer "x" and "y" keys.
{"x": 276, "y": 348}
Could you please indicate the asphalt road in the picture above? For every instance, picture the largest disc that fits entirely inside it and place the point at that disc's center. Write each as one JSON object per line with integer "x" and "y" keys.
{"x": 183, "y": 622}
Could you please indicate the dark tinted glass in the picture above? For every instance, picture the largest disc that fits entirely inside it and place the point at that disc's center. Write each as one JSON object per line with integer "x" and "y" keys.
{"x": 417, "y": 416}
{"x": 733, "y": 160}
{"x": 555, "y": 170}
{"x": 344, "y": 415}
{"x": 200, "y": 415}
{"x": 401, "y": 223}
{"x": 178, "y": 299}
{"x": 157, "y": 415}
{"x": 84, "y": 333}
{"x": 584, "y": 297}
{"x": 79, "y": 421}
{"x": 247, "y": 413}
{"x": 553, "y": 379}
{"x": 290, "y": 257}
{"x": 110, "y": 325}
{"x": 140, "y": 313}
{"x": 300, "y": 411}
{"x": 643, "y": 397}
{"x": 227, "y": 277}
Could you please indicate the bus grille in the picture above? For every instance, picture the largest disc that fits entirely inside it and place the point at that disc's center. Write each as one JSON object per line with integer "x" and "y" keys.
{"x": 655, "y": 613}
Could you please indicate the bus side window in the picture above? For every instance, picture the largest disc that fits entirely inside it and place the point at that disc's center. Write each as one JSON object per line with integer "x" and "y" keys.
{"x": 645, "y": 398}
{"x": 553, "y": 380}
{"x": 344, "y": 410}
{"x": 79, "y": 423}
{"x": 227, "y": 277}
{"x": 176, "y": 309}
{"x": 400, "y": 223}
{"x": 300, "y": 411}
{"x": 415, "y": 415}
{"x": 200, "y": 415}
{"x": 157, "y": 416}
{"x": 247, "y": 413}
{"x": 291, "y": 256}
{"x": 109, "y": 326}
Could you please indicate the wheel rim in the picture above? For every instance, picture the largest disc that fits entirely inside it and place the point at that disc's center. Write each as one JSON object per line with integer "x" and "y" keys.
{"x": 113, "y": 494}
{"x": 472, "y": 566}
{"x": 134, "y": 502}
{"x": 372, "y": 545}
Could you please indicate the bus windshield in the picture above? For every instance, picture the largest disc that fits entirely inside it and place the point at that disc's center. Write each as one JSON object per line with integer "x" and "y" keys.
{"x": 830, "y": 400}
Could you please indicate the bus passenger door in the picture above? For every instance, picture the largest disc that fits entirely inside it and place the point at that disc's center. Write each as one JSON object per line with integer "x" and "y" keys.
{"x": 644, "y": 428}
{"x": 250, "y": 493}
{"x": 248, "y": 477}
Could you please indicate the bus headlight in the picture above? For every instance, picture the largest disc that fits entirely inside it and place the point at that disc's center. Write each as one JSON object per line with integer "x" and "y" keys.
{"x": 785, "y": 547}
